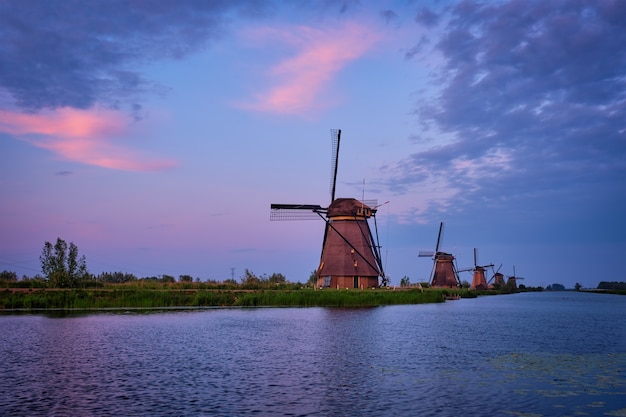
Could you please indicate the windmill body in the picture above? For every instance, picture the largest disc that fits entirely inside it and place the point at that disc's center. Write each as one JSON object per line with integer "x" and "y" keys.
{"x": 479, "y": 282}
{"x": 478, "y": 279}
{"x": 444, "y": 273}
{"x": 498, "y": 280}
{"x": 347, "y": 259}
{"x": 350, "y": 254}
{"x": 511, "y": 282}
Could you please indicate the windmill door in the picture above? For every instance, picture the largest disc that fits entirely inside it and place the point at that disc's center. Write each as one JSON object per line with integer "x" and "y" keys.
{"x": 356, "y": 282}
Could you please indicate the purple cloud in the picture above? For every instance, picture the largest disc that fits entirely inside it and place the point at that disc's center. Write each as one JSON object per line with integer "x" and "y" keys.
{"x": 540, "y": 82}
{"x": 74, "y": 53}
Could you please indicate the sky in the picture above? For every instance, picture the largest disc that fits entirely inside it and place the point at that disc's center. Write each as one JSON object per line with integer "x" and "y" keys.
{"x": 155, "y": 134}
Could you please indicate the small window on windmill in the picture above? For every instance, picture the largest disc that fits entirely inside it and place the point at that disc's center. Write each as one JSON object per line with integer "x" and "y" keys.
{"x": 356, "y": 264}
{"x": 327, "y": 281}
{"x": 351, "y": 250}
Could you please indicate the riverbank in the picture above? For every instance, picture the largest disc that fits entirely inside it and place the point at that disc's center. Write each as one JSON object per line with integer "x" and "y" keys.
{"x": 93, "y": 299}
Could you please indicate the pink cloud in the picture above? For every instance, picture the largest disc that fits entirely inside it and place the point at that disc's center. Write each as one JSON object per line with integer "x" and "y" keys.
{"x": 320, "y": 55}
{"x": 83, "y": 136}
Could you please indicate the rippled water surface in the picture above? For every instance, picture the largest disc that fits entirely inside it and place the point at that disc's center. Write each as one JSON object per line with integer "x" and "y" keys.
{"x": 545, "y": 354}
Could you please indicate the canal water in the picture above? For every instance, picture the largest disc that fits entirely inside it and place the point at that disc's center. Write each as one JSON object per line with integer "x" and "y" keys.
{"x": 530, "y": 354}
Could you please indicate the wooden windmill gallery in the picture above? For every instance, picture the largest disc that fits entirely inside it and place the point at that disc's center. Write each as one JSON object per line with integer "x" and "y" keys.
{"x": 350, "y": 251}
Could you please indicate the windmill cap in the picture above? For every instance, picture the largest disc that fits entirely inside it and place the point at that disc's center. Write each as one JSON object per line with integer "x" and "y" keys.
{"x": 349, "y": 207}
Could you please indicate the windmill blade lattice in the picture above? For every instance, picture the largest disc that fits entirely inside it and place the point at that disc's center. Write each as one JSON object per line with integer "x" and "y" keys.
{"x": 335, "y": 137}
{"x": 280, "y": 212}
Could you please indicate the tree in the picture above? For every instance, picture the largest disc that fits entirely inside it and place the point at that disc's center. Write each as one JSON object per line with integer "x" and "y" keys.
{"x": 185, "y": 278}
{"x": 167, "y": 278}
{"x": 61, "y": 265}
{"x": 250, "y": 279}
{"x": 8, "y": 276}
{"x": 116, "y": 277}
{"x": 555, "y": 287}
{"x": 230, "y": 282}
{"x": 405, "y": 281}
{"x": 277, "y": 278}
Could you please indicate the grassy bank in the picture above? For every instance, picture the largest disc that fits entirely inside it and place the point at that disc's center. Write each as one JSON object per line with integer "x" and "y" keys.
{"x": 90, "y": 299}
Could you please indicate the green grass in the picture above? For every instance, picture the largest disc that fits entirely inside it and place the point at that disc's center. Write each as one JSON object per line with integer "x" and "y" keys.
{"x": 135, "y": 297}
{"x": 336, "y": 298}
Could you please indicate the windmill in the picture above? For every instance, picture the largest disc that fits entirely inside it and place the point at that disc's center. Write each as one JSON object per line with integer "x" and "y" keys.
{"x": 478, "y": 278}
{"x": 511, "y": 282}
{"x": 444, "y": 273}
{"x": 497, "y": 278}
{"x": 350, "y": 252}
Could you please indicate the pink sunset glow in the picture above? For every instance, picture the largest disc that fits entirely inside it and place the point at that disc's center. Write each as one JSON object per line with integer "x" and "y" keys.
{"x": 321, "y": 54}
{"x": 84, "y": 136}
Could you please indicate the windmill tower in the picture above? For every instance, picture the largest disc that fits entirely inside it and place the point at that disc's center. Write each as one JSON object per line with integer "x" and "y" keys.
{"x": 497, "y": 278}
{"x": 444, "y": 273}
{"x": 478, "y": 279}
{"x": 511, "y": 282}
{"x": 350, "y": 252}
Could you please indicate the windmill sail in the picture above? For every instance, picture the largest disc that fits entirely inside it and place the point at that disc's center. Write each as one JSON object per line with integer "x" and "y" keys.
{"x": 335, "y": 137}
{"x": 279, "y": 212}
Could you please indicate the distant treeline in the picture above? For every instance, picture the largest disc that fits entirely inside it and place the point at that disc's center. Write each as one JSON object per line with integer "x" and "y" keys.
{"x": 555, "y": 287}
{"x": 612, "y": 285}
{"x": 249, "y": 281}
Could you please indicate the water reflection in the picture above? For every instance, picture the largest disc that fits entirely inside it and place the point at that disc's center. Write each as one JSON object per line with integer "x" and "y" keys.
{"x": 541, "y": 354}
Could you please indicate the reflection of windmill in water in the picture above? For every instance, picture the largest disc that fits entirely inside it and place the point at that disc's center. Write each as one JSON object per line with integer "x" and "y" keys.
{"x": 511, "y": 282}
{"x": 478, "y": 278}
{"x": 444, "y": 273}
{"x": 350, "y": 253}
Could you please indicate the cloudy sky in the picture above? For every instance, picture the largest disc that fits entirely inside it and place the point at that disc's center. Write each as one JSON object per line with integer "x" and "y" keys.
{"x": 155, "y": 134}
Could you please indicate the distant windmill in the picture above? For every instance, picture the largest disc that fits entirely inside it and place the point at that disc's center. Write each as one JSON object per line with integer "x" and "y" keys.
{"x": 478, "y": 278}
{"x": 497, "y": 279}
{"x": 511, "y": 282}
{"x": 350, "y": 252}
{"x": 444, "y": 273}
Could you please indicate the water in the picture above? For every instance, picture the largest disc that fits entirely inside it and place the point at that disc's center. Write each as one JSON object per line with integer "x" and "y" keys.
{"x": 535, "y": 354}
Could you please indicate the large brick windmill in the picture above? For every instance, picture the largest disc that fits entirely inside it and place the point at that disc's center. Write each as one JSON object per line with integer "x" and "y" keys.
{"x": 350, "y": 252}
{"x": 444, "y": 273}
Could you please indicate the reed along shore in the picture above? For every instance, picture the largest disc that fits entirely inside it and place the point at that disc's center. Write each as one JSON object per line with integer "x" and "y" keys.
{"x": 140, "y": 298}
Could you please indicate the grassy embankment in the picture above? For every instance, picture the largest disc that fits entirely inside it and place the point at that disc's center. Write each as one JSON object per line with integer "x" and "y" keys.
{"x": 120, "y": 296}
